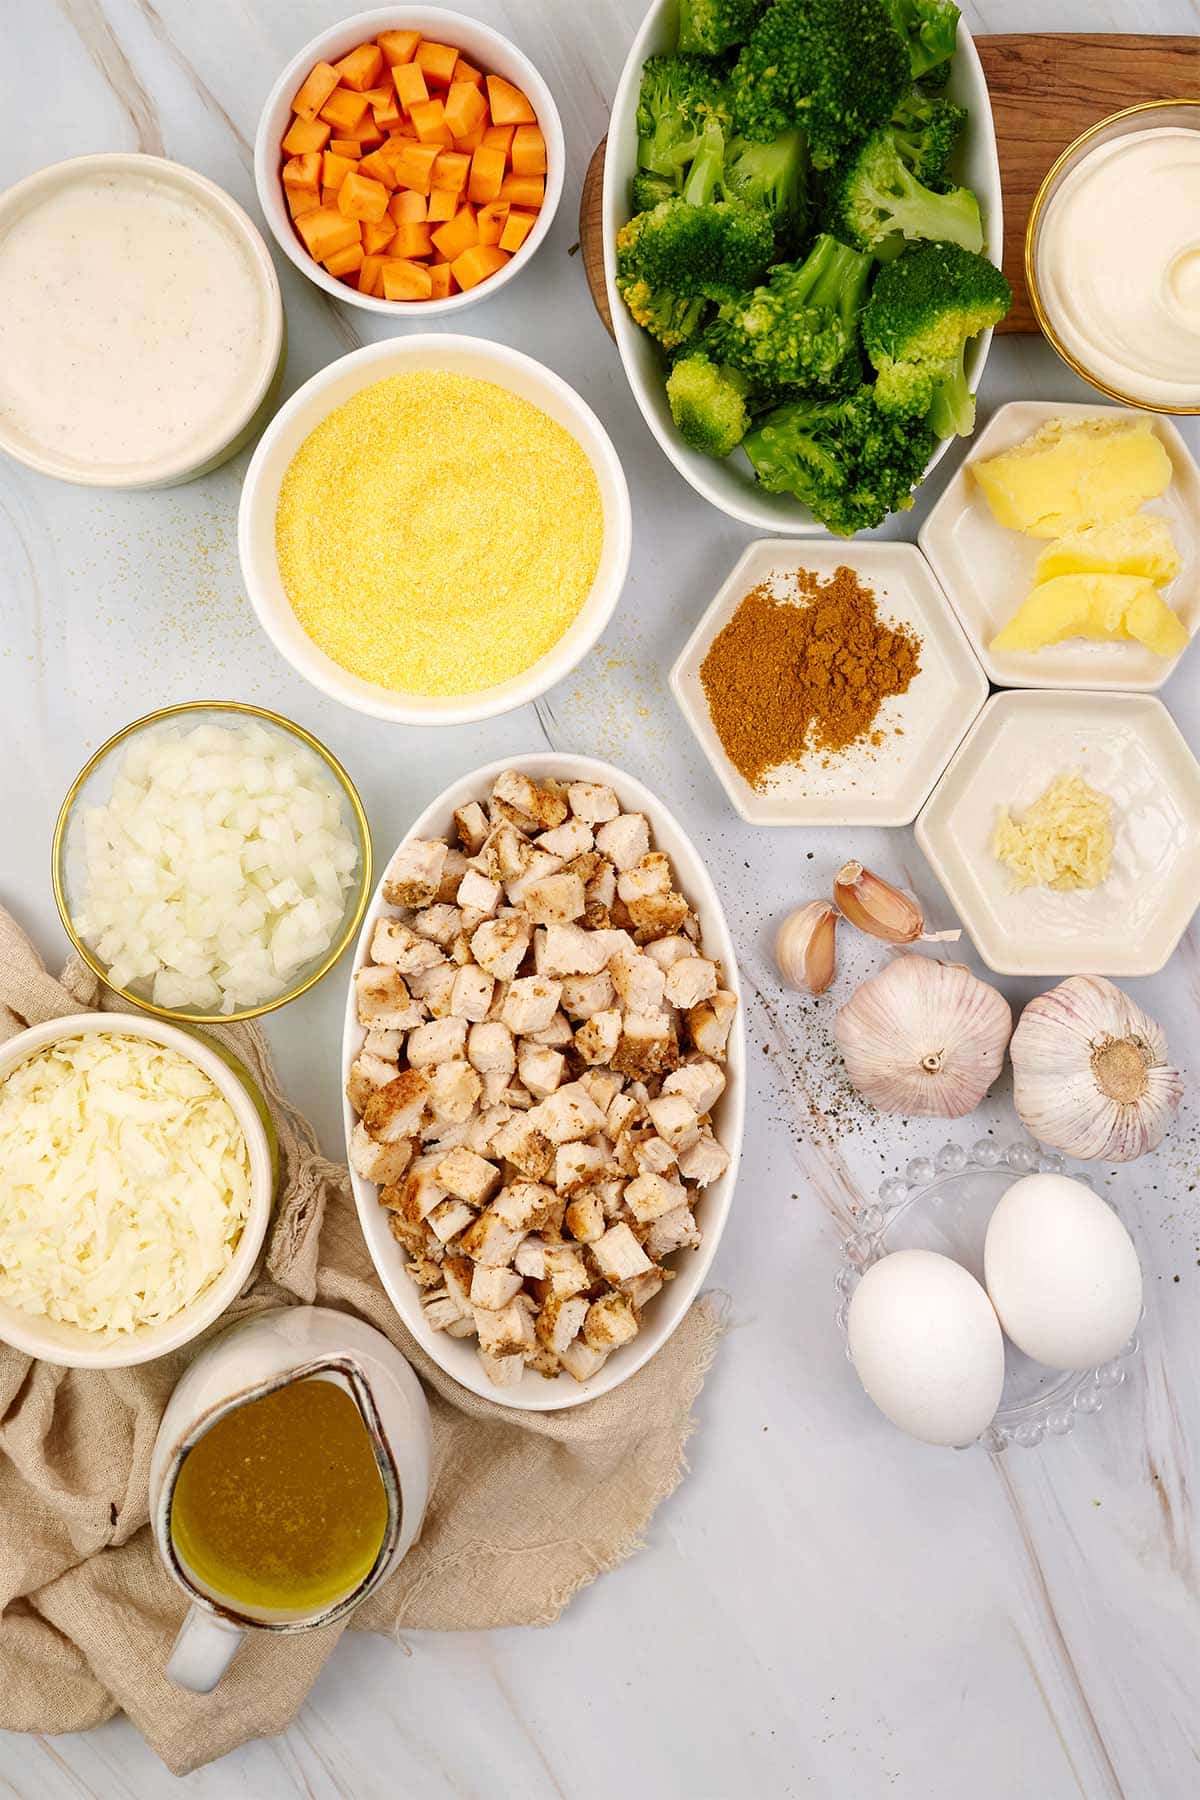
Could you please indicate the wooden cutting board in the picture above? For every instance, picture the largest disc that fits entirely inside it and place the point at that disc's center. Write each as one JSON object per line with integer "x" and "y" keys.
{"x": 1046, "y": 88}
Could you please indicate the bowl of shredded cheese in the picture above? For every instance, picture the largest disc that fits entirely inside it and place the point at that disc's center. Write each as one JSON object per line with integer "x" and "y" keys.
{"x": 137, "y": 1183}
{"x": 434, "y": 530}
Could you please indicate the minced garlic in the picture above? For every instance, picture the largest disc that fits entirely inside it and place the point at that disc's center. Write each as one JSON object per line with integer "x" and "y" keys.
{"x": 437, "y": 534}
{"x": 1064, "y": 841}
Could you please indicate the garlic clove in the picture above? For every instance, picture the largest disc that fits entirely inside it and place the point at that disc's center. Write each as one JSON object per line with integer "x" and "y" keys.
{"x": 875, "y": 906}
{"x": 806, "y": 947}
{"x": 923, "y": 1038}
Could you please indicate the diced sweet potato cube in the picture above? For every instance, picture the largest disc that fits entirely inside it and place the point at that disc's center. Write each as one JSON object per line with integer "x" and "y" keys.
{"x": 345, "y": 262}
{"x": 477, "y": 263}
{"x": 409, "y": 83}
{"x": 523, "y": 190}
{"x": 303, "y": 171}
{"x": 301, "y": 200}
{"x": 366, "y": 134}
{"x": 408, "y": 207}
{"x": 404, "y": 280}
{"x": 500, "y": 137}
{"x": 315, "y": 90}
{"x": 370, "y": 276}
{"x": 465, "y": 107}
{"x": 334, "y": 169}
{"x": 305, "y": 135}
{"x": 429, "y": 122}
{"x": 437, "y": 61}
{"x": 345, "y": 147}
{"x": 398, "y": 46}
{"x": 379, "y": 166}
{"x": 411, "y": 240}
{"x": 471, "y": 142}
{"x": 452, "y": 170}
{"x": 328, "y": 196}
{"x": 443, "y": 204}
{"x": 402, "y": 133}
{"x": 413, "y": 164}
{"x": 387, "y": 113}
{"x": 517, "y": 228}
{"x": 361, "y": 67}
{"x": 464, "y": 72}
{"x": 361, "y": 198}
{"x": 491, "y": 221}
{"x": 327, "y": 231}
{"x": 376, "y": 238}
{"x": 345, "y": 109}
{"x": 487, "y": 174}
{"x": 458, "y": 234}
{"x": 508, "y": 104}
{"x": 528, "y": 153}
{"x": 375, "y": 96}
{"x": 442, "y": 277}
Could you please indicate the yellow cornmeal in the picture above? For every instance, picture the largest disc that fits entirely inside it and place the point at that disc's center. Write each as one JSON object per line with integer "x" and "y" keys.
{"x": 1064, "y": 841}
{"x": 437, "y": 534}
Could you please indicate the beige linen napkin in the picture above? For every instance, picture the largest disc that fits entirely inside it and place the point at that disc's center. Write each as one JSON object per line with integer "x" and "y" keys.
{"x": 526, "y": 1507}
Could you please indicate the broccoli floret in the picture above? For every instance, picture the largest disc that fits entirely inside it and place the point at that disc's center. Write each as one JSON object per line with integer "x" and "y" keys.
{"x": 922, "y": 312}
{"x": 649, "y": 189}
{"x": 713, "y": 26}
{"x": 678, "y": 94}
{"x": 835, "y": 67}
{"x": 708, "y": 404}
{"x": 712, "y": 252}
{"x": 930, "y": 29}
{"x": 875, "y": 201}
{"x": 774, "y": 176}
{"x": 801, "y": 329}
{"x": 926, "y": 129}
{"x": 670, "y": 317}
{"x": 706, "y": 178}
{"x": 848, "y": 461}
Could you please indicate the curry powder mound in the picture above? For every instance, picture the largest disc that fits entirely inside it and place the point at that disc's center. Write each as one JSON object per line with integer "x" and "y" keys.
{"x": 806, "y": 673}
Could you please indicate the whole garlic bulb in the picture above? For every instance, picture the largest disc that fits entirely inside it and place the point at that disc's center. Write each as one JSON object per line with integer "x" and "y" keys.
{"x": 1091, "y": 1076}
{"x": 924, "y": 1038}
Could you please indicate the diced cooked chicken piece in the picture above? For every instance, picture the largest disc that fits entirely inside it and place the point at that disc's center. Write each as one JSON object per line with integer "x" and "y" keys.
{"x": 524, "y": 1205}
{"x": 471, "y": 994}
{"x": 499, "y": 945}
{"x": 576, "y": 1164}
{"x": 490, "y": 1047}
{"x": 468, "y": 1176}
{"x": 417, "y": 1192}
{"x": 642, "y": 1288}
{"x": 441, "y": 1040}
{"x": 440, "y": 1311}
{"x": 501, "y": 1371}
{"x": 483, "y": 1128}
{"x": 523, "y": 1144}
{"x": 399, "y": 947}
{"x": 416, "y": 1240}
{"x": 704, "y": 1161}
{"x": 624, "y": 840}
{"x": 380, "y": 1163}
{"x": 652, "y": 1155}
{"x": 541, "y": 1070}
{"x": 652, "y": 875}
{"x": 650, "y": 1196}
{"x": 530, "y": 1004}
{"x": 453, "y": 870}
{"x": 657, "y": 916}
{"x": 445, "y": 1135}
{"x": 621, "y": 1114}
{"x": 710, "y": 1023}
{"x": 585, "y": 995}
{"x": 676, "y": 1230}
{"x": 530, "y": 1259}
{"x": 471, "y": 826}
{"x": 504, "y": 854}
{"x": 592, "y": 802}
{"x": 601, "y": 890}
{"x": 454, "y": 1090}
{"x": 648, "y": 1045}
{"x": 367, "y": 1075}
{"x": 568, "y": 1114}
{"x": 570, "y": 840}
{"x": 490, "y": 1241}
{"x": 415, "y": 873}
{"x": 542, "y": 1361}
{"x": 555, "y": 1036}
{"x": 581, "y": 1361}
{"x": 570, "y": 950}
{"x": 383, "y": 1000}
{"x": 534, "y": 805}
{"x": 691, "y": 980}
{"x": 476, "y": 892}
{"x": 434, "y": 988}
{"x": 611, "y": 1195}
{"x": 560, "y": 1321}
{"x": 397, "y": 1110}
{"x": 639, "y": 983}
{"x": 426, "y": 1271}
{"x": 584, "y": 1217}
{"x": 440, "y": 923}
{"x": 618, "y": 1254}
{"x": 449, "y": 1218}
{"x": 598, "y": 1037}
{"x": 668, "y": 950}
{"x": 701, "y": 1083}
{"x": 460, "y": 949}
{"x": 602, "y": 1086}
{"x": 610, "y": 1322}
{"x": 457, "y": 1271}
{"x": 540, "y": 866}
{"x": 387, "y": 1045}
{"x": 675, "y": 1120}
{"x": 494, "y": 1288}
{"x": 555, "y": 899}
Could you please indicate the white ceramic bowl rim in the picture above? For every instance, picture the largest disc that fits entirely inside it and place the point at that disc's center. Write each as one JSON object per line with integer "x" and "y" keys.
{"x": 261, "y": 487}
{"x": 444, "y": 26}
{"x": 533, "y": 1393}
{"x": 163, "y": 470}
{"x": 75, "y": 1348}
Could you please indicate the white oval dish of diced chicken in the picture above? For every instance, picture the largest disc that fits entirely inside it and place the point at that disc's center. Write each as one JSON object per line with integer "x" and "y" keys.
{"x": 544, "y": 1071}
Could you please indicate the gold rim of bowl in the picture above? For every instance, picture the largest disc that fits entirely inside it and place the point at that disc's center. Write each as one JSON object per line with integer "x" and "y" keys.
{"x": 1031, "y": 282}
{"x": 337, "y": 949}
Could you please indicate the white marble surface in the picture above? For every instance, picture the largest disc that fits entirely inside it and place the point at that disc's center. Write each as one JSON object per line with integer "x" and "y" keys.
{"x": 823, "y": 1608}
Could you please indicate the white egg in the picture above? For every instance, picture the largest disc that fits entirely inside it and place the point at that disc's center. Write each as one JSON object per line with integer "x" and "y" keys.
{"x": 927, "y": 1347}
{"x": 1062, "y": 1272}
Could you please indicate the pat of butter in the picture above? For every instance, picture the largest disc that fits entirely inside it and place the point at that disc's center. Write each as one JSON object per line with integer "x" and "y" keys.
{"x": 1074, "y": 473}
{"x": 1105, "y": 608}
{"x": 1141, "y": 545}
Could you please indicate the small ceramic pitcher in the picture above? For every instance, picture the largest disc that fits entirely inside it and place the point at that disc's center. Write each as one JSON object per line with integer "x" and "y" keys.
{"x": 255, "y": 1358}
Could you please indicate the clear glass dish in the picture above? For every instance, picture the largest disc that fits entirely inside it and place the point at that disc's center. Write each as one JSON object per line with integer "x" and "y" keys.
{"x": 943, "y": 1203}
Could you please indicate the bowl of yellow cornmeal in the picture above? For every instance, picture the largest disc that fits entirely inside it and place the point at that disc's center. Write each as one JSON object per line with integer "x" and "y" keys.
{"x": 434, "y": 529}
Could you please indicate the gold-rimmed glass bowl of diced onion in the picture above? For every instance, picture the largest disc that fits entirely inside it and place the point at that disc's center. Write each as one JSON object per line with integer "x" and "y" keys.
{"x": 174, "y": 879}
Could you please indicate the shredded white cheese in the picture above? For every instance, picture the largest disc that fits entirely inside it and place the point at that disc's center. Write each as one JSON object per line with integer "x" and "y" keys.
{"x": 1064, "y": 840}
{"x": 124, "y": 1183}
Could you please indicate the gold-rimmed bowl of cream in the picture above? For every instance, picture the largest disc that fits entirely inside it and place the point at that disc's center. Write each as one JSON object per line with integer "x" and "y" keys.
{"x": 1112, "y": 256}
{"x": 150, "y": 900}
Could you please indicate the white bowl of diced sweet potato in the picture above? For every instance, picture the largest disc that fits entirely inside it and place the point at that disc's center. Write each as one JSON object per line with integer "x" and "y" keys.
{"x": 409, "y": 160}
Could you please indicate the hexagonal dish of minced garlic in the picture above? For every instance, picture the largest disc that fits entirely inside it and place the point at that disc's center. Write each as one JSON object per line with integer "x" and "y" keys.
{"x": 544, "y": 1044}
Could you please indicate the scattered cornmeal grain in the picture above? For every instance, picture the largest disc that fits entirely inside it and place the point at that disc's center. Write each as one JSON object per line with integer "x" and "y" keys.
{"x": 438, "y": 534}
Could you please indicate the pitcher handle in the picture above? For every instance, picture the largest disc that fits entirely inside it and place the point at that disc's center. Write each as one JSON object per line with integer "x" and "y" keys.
{"x": 204, "y": 1649}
